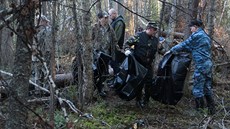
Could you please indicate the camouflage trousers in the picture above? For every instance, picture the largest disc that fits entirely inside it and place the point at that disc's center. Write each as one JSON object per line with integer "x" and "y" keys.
{"x": 202, "y": 80}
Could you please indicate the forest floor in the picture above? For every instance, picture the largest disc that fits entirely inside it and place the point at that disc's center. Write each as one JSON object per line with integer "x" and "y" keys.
{"x": 115, "y": 113}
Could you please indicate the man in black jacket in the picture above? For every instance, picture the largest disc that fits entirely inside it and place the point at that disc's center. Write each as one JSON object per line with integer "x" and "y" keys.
{"x": 118, "y": 25}
{"x": 145, "y": 45}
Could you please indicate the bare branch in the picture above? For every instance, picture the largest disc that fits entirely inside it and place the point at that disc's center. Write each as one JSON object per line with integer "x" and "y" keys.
{"x": 181, "y": 9}
{"x": 7, "y": 21}
{"x": 68, "y": 6}
{"x": 5, "y": 12}
{"x": 131, "y": 10}
{"x": 93, "y": 5}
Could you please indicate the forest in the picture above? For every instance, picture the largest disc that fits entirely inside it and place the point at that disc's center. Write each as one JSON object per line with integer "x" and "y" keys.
{"x": 66, "y": 101}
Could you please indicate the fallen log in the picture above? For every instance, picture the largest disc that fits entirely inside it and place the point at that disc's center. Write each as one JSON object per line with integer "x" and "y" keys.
{"x": 175, "y": 34}
{"x": 62, "y": 80}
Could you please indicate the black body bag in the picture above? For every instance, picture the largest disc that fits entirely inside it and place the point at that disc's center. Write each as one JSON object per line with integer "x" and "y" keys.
{"x": 100, "y": 66}
{"x": 128, "y": 79}
{"x": 168, "y": 85}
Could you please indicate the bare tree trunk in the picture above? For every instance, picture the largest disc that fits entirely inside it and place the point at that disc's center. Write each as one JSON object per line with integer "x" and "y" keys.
{"x": 17, "y": 101}
{"x": 130, "y": 18}
{"x": 211, "y": 17}
{"x": 158, "y": 56}
{"x": 149, "y": 9}
{"x": 135, "y": 16}
{"x": 120, "y": 8}
{"x": 2, "y": 6}
{"x": 201, "y": 9}
{"x": 6, "y": 45}
{"x": 87, "y": 54}
{"x": 53, "y": 63}
{"x": 145, "y": 7}
{"x": 78, "y": 65}
{"x": 193, "y": 5}
{"x": 44, "y": 8}
{"x": 98, "y": 7}
{"x": 172, "y": 21}
{"x": 162, "y": 16}
{"x": 222, "y": 13}
{"x": 106, "y": 5}
{"x": 111, "y": 4}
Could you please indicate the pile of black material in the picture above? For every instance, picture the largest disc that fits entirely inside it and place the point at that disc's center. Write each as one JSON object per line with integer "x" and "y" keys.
{"x": 128, "y": 79}
{"x": 100, "y": 67}
{"x": 168, "y": 84}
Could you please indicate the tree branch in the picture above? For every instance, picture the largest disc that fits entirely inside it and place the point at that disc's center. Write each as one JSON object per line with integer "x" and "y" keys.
{"x": 131, "y": 10}
{"x": 5, "y": 12}
{"x": 7, "y": 21}
{"x": 181, "y": 9}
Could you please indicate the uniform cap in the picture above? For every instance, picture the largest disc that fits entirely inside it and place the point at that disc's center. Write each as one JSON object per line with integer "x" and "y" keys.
{"x": 102, "y": 14}
{"x": 196, "y": 22}
{"x": 152, "y": 25}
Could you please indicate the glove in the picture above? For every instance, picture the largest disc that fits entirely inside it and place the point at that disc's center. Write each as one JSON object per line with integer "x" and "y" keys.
{"x": 127, "y": 52}
{"x": 111, "y": 71}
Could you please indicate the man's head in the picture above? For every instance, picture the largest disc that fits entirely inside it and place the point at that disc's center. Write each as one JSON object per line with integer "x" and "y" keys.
{"x": 151, "y": 28}
{"x": 113, "y": 13}
{"x": 103, "y": 18}
{"x": 195, "y": 24}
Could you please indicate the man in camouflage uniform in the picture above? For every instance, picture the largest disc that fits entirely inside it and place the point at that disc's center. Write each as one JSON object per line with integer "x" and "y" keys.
{"x": 199, "y": 45}
{"x": 145, "y": 45}
{"x": 104, "y": 40}
{"x": 44, "y": 47}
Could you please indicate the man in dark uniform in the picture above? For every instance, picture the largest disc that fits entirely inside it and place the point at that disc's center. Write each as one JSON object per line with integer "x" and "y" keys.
{"x": 145, "y": 45}
{"x": 118, "y": 25}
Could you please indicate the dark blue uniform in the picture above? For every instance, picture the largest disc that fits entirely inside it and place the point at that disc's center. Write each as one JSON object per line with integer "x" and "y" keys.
{"x": 145, "y": 48}
{"x": 199, "y": 45}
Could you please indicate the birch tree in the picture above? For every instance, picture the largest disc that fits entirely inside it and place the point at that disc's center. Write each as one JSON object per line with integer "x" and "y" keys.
{"x": 130, "y": 18}
{"x": 120, "y": 8}
{"x": 6, "y": 43}
{"x": 172, "y": 21}
{"x": 87, "y": 53}
{"x": 17, "y": 101}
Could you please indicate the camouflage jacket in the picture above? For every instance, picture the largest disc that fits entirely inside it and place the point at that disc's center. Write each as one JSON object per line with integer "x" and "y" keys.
{"x": 104, "y": 39}
{"x": 199, "y": 44}
{"x": 44, "y": 38}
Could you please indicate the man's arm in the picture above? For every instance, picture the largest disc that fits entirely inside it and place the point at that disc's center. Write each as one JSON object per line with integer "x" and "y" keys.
{"x": 130, "y": 43}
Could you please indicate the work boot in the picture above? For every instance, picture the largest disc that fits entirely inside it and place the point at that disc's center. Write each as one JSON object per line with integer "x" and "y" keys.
{"x": 199, "y": 103}
{"x": 210, "y": 104}
{"x": 100, "y": 89}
